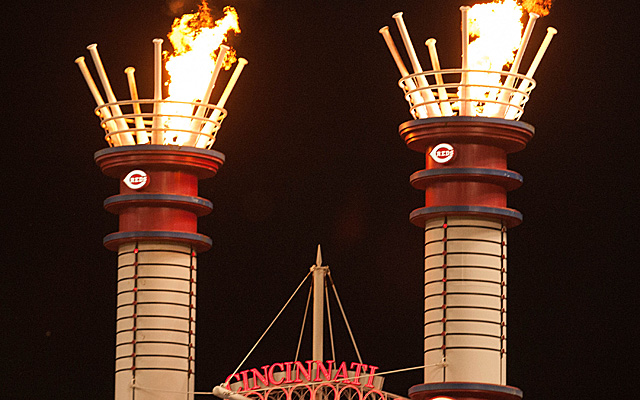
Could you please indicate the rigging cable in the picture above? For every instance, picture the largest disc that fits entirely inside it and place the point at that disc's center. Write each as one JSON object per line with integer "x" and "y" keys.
{"x": 335, "y": 291}
{"x": 266, "y": 330}
{"x": 304, "y": 320}
{"x": 326, "y": 296}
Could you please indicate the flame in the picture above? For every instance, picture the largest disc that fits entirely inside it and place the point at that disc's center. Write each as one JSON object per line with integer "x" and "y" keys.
{"x": 540, "y": 7}
{"x": 196, "y": 39}
{"x": 495, "y": 31}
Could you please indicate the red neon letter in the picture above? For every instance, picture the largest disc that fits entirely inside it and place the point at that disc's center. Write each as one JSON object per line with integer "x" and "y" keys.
{"x": 359, "y": 368}
{"x": 288, "y": 372}
{"x": 306, "y": 373}
{"x": 245, "y": 379}
{"x": 325, "y": 371}
{"x": 263, "y": 378}
{"x": 341, "y": 372}
{"x": 372, "y": 371}
{"x": 271, "y": 378}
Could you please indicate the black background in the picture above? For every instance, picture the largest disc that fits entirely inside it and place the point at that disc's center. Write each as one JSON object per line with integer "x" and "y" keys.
{"x": 313, "y": 156}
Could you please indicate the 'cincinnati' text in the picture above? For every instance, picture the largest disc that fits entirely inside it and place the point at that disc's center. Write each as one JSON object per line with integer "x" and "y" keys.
{"x": 293, "y": 372}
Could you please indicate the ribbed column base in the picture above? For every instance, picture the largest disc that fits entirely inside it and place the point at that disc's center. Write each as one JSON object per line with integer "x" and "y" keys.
{"x": 464, "y": 391}
{"x": 155, "y": 328}
{"x": 465, "y": 300}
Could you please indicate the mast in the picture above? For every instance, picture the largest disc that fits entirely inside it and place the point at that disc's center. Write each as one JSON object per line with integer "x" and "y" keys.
{"x": 319, "y": 275}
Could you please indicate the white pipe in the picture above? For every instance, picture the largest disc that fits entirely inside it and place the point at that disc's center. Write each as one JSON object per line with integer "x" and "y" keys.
{"x": 122, "y": 125}
{"x": 141, "y": 136}
{"x": 104, "y": 111}
{"x": 518, "y": 97}
{"x": 384, "y": 31}
{"x": 543, "y": 48}
{"x": 157, "y": 136}
{"x": 197, "y": 122}
{"x": 432, "y": 108}
{"x": 232, "y": 82}
{"x": 507, "y": 87}
{"x": 445, "y": 107}
{"x": 465, "y": 106}
{"x": 415, "y": 97}
{"x": 210, "y": 125}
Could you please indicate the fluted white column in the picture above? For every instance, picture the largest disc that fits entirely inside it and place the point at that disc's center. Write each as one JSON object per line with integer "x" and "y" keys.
{"x": 155, "y": 329}
{"x": 465, "y": 300}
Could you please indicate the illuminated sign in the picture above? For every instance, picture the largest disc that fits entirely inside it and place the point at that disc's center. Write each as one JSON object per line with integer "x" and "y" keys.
{"x": 297, "y": 372}
{"x": 442, "y": 153}
{"x": 136, "y": 179}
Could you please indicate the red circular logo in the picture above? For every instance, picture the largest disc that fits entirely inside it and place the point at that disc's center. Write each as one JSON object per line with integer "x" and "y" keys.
{"x": 136, "y": 179}
{"x": 442, "y": 153}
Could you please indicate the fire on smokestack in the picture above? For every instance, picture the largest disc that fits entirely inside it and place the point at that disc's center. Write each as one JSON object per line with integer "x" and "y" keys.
{"x": 185, "y": 117}
{"x": 488, "y": 83}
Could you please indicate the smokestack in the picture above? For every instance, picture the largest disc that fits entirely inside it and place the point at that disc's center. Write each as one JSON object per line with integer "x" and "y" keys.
{"x": 157, "y": 245}
{"x": 465, "y": 221}
{"x": 157, "y": 241}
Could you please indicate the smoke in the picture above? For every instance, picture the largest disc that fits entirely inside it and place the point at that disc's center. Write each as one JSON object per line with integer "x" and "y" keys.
{"x": 540, "y": 7}
{"x": 176, "y": 8}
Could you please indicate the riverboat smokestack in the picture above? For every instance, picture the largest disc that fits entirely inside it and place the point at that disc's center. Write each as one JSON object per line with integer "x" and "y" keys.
{"x": 465, "y": 217}
{"x": 158, "y": 240}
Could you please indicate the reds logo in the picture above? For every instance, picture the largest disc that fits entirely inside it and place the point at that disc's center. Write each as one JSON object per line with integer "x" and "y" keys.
{"x": 136, "y": 179}
{"x": 442, "y": 153}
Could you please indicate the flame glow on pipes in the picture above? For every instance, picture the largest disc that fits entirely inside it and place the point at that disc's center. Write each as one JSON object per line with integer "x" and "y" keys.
{"x": 519, "y": 97}
{"x": 141, "y": 134}
{"x": 213, "y": 119}
{"x": 435, "y": 64}
{"x": 126, "y": 137}
{"x": 506, "y": 92}
{"x": 157, "y": 137}
{"x": 463, "y": 93}
{"x": 93, "y": 88}
{"x": 432, "y": 108}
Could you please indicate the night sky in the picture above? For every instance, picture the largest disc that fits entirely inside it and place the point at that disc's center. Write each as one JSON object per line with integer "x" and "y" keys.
{"x": 313, "y": 157}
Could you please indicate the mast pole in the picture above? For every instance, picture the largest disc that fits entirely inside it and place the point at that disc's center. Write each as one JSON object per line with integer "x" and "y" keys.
{"x": 319, "y": 275}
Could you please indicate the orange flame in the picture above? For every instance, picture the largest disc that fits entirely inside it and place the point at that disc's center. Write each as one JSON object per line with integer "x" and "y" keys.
{"x": 540, "y": 7}
{"x": 495, "y": 31}
{"x": 196, "y": 39}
